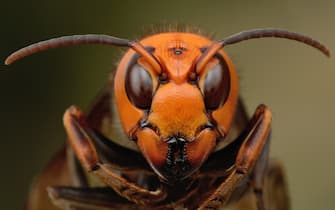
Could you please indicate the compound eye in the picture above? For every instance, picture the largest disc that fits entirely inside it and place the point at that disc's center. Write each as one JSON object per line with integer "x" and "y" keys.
{"x": 216, "y": 86}
{"x": 139, "y": 86}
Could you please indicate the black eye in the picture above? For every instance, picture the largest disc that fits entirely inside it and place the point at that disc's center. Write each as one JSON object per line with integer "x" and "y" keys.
{"x": 216, "y": 86}
{"x": 139, "y": 86}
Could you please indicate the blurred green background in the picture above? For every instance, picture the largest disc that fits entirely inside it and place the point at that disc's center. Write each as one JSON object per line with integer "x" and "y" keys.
{"x": 294, "y": 80}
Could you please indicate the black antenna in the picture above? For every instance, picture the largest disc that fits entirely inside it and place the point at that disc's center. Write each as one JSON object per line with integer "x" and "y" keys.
{"x": 100, "y": 39}
{"x": 255, "y": 34}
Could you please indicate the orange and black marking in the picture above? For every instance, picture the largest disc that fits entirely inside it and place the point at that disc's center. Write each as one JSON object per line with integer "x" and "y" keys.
{"x": 176, "y": 97}
{"x": 176, "y": 92}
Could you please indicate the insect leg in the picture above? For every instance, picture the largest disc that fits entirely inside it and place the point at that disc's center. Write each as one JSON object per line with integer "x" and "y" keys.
{"x": 258, "y": 176}
{"x": 249, "y": 153}
{"x": 81, "y": 142}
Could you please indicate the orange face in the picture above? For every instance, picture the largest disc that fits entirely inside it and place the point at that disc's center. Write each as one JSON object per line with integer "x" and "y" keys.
{"x": 176, "y": 96}
{"x": 176, "y": 114}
